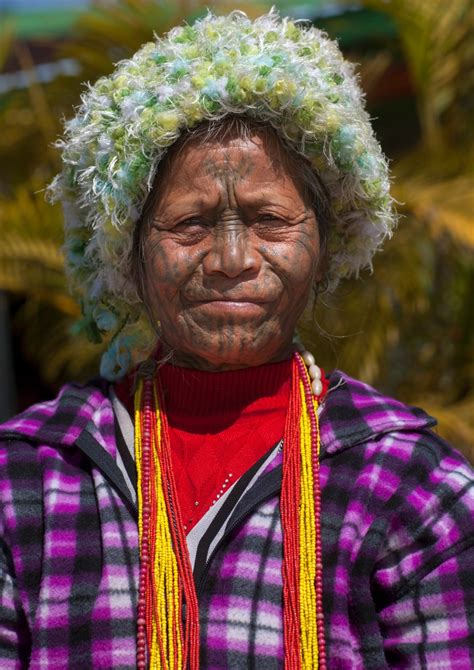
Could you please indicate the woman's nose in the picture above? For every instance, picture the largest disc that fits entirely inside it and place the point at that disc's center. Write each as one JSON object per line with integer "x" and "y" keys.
{"x": 232, "y": 251}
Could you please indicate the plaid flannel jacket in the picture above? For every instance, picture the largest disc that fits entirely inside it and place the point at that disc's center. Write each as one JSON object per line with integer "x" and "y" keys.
{"x": 398, "y": 544}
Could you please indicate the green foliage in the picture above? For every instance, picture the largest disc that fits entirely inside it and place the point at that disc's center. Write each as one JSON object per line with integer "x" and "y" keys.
{"x": 437, "y": 39}
{"x": 110, "y": 32}
{"x": 407, "y": 328}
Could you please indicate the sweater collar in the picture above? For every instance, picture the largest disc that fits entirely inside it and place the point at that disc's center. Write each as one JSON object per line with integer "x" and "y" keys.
{"x": 200, "y": 394}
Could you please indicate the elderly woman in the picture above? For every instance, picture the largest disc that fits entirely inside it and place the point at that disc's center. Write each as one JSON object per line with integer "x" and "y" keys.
{"x": 213, "y": 501}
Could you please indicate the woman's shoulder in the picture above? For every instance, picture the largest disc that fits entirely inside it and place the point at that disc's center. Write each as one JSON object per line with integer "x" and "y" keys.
{"x": 384, "y": 462}
{"x": 60, "y": 420}
{"x": 355, "y": 415}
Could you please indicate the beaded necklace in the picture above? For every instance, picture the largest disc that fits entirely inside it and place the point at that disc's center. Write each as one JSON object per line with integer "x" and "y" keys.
{"x": 168, "y": 632}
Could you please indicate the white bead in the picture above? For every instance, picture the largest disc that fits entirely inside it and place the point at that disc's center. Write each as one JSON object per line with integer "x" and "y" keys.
{"x": 314, "y": 371}
{"x": 308, "y": 358}
{"x": 316, "y": 387}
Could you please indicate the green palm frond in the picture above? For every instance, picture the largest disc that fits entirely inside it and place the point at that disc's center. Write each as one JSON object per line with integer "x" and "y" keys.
{"x": 412, "y": 314}
{"x": 434, "y": 183}
{"x": 48, "y": 338}
{"x": 32, "y": 267}
{"x": 445, "y": 206}
{"x": 6, "y": 39}
{"x": 109, "y": 32}
{"x": 31, "y": 260}
{"x": 436, "y": 37}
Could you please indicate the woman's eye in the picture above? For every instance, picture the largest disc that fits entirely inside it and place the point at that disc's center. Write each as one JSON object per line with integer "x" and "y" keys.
{"x": 268, "y": 218}
{"x": 192, "y": 222}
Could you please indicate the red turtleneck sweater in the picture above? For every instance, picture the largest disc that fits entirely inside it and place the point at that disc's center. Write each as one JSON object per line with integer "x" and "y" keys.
{"x": 220, "y": 424}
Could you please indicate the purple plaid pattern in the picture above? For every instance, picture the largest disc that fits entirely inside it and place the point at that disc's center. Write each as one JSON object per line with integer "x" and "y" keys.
{"x": 398, "y": 546}
{"x": 69, "y": 568}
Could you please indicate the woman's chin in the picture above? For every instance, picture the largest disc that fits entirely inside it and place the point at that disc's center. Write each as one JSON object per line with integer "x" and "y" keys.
{"x": 228, "y": 347}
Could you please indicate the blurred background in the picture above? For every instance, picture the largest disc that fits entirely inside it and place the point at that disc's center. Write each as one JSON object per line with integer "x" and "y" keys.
{"x": 407, "y": 328}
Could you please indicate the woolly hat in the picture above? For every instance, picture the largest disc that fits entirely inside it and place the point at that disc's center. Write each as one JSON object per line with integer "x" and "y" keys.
{"x": 271, "y": 69}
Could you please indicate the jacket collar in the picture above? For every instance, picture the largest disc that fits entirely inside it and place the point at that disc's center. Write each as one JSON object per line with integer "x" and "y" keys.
{"x": 354, "y": 412}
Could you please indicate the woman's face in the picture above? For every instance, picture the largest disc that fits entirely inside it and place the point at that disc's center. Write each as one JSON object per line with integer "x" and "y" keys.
{"x": 231, "y": 254}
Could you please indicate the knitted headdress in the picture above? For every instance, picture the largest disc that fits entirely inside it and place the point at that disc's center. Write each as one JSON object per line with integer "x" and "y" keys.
{"x": 271, "y": 69}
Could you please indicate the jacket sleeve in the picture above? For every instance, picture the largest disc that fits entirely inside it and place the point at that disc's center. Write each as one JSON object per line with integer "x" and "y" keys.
{"x": 431, "y": 623}
{"x": 14, "y": 631}
{"x": 14, "y": 628}
{"x": 426, "y": 615}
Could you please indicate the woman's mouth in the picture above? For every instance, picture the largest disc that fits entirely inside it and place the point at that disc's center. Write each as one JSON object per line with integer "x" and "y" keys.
{"x": 240, "y": 306}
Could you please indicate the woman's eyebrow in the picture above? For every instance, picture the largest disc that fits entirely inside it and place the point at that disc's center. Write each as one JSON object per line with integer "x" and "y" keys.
{"x": 263, "y": 197}
{"x": 202, "y": 204}
{"x": 182, "y": 206}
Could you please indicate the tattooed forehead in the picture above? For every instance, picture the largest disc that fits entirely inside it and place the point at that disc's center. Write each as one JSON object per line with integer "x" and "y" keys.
{"x": 223, "y": 166}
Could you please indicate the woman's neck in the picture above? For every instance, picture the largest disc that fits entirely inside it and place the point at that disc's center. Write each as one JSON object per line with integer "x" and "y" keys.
{"x": 211, "y": 363}
{"x": 198, "y": 393}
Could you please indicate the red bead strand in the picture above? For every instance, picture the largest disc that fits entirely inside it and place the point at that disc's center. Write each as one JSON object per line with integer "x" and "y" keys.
{"x": 143, "y": 614}
{"x": 289, "y": 504}
{"x": 191, "y": 644}
{"x": 317, "y": 504}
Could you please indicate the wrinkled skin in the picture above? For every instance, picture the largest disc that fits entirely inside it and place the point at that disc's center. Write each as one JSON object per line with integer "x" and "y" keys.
{"x": 231, "y": 254}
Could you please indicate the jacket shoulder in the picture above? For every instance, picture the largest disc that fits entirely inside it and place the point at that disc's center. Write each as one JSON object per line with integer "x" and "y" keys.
{"x": 354, "y": 412}
{"x": 388, "y": 444}
{"x": 58, "y": 421}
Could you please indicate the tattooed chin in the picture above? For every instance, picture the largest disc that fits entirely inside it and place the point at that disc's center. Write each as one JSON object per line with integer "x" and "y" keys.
{"x": 229, "y": 335}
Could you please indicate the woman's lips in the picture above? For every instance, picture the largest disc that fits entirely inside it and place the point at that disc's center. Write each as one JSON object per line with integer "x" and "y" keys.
{"x": 235, "y": 306}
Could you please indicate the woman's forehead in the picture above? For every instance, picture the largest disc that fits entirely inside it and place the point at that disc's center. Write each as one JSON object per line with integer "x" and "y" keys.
{"x": 242, "y": 156}
{"x": 249, "y": 163}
